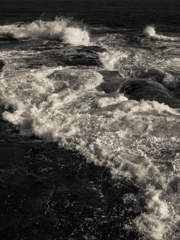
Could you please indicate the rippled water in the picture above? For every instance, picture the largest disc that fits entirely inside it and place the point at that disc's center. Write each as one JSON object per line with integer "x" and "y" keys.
{"x": 107, "y": 86}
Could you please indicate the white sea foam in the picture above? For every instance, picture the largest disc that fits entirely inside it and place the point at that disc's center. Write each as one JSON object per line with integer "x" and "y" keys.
{"x": 112, "y": 59}
{"x": 68, "y": 109}
{"x": 150, "y": 31}
{"x": 60, "y": 29}
{"x": 63, "y": 105}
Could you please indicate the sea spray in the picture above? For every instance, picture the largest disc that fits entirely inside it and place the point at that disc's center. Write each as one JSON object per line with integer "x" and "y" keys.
{"x": 112, "y": 59}
{"x": 150, "y": 32}
{"x": 59, "y": 29}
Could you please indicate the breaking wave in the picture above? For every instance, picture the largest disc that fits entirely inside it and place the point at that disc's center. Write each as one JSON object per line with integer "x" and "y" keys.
{"x": 150, "y": 32}
{"x": 59, "y": 29}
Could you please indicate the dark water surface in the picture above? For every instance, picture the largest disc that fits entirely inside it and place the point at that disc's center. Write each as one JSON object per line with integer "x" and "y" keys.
{"x": 114, "y": 13}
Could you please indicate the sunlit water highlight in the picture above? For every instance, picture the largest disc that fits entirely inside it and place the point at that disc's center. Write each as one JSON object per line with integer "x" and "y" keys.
{"x": 82, "y": 107}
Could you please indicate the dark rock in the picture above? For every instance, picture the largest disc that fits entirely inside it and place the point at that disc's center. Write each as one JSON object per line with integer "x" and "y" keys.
{"x": 7, "y": 37}
{"x": 176, "y": 93}
{"x": 138, "y": 89}
{"x": 134, "y": 85}
{"x": 112, "y": 81}
{"x": 168, "y": 79}
{"x": 108, "y": 87}
{"x": 1, "y": 64}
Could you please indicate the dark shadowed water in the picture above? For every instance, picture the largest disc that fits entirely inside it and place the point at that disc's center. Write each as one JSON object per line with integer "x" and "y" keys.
{"x": 111, "y": 13}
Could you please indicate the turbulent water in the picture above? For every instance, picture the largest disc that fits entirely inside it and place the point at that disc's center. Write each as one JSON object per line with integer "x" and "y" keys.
{"x": 108, "y": 87}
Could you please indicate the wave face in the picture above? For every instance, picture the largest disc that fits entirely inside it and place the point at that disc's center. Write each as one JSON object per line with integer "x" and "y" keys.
{"x": 111, "y": 93}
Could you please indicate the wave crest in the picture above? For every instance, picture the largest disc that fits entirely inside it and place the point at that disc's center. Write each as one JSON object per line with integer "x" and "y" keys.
{"x": 150, "y": 32}
{"x": 60, "y": 29}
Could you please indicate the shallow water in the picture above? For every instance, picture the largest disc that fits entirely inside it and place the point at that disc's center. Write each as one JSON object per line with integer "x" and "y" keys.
{"x": 109, "y": 90}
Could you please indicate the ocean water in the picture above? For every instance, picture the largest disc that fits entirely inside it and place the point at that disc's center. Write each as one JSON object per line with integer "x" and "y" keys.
{"x": 101, "y": 77}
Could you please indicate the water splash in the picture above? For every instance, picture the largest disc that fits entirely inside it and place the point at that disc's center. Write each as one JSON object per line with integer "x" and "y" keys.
{"x": 112, "y": 59}
{"x": 150, "y": 32}
{"x": 59, "y": 29}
